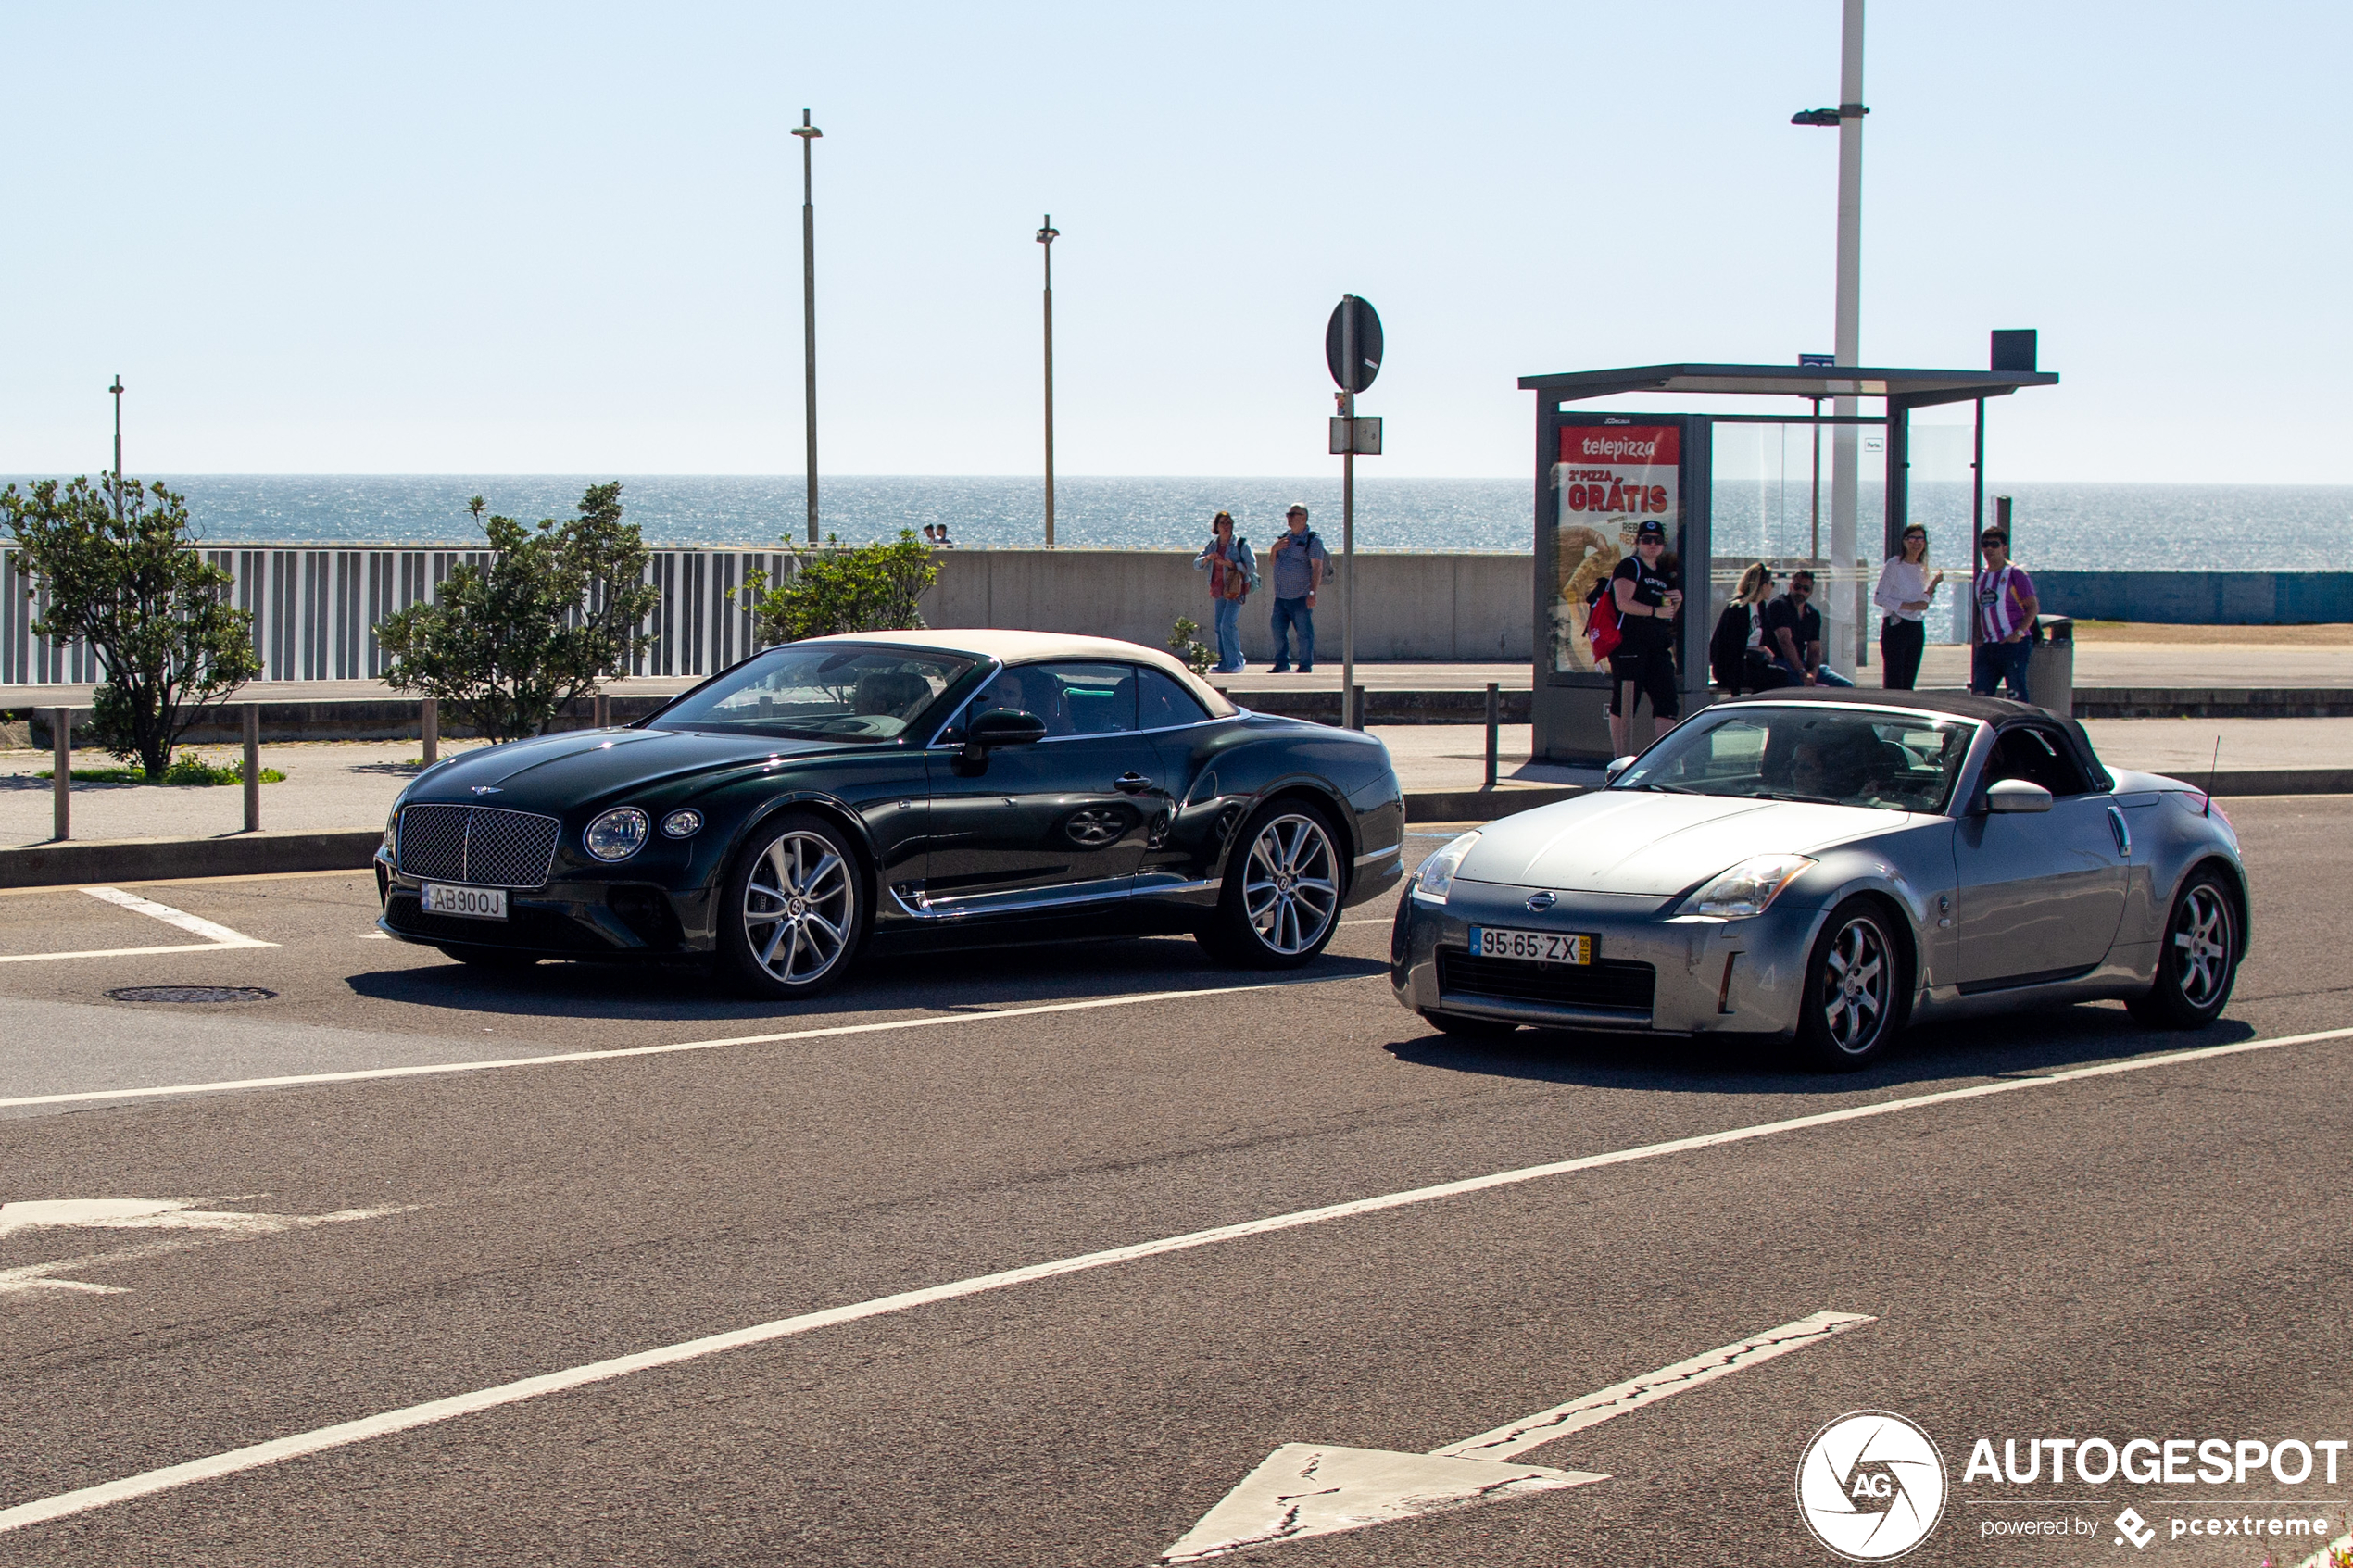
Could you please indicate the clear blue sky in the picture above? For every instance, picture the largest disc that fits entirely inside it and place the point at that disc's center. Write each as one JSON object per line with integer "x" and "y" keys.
{"x": 565, "y": 238}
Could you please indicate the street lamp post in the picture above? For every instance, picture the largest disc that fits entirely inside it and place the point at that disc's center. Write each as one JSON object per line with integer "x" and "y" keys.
{"x": 116, "y": 390}
{"x": 808, "y": 134}
{"x": 1046, "y": 236}
{"x": 1848, "y": 117}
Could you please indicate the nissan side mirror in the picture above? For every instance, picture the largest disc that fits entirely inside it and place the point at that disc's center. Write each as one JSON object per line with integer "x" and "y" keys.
{"x": 1000, "y": 726}
{"x": 1610, "y": 774}
{"x": 2017, "y": 794}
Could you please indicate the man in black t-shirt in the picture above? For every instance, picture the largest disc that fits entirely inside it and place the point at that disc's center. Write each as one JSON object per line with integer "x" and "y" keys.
{"x": 1794, "y": 635}
{"x": 1648, "y": 598}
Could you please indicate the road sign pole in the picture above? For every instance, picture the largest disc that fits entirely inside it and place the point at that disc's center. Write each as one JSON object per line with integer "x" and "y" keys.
{"x": 1350, "y": 716}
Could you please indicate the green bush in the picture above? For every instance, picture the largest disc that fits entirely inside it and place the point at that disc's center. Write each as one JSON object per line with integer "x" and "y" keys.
{"x": 843, "y": 589}
{"x": 186, "y": 770}
{"x": 1184, "y": 642}
{"x": 132, "y": 585}
{"x": 558, "y": 609}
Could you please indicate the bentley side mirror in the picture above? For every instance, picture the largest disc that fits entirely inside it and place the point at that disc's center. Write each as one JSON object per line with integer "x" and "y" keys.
{"x": 1000, "y": 726}
{"x": 1610, "y": 774}
{"x": 2017, "y": 794}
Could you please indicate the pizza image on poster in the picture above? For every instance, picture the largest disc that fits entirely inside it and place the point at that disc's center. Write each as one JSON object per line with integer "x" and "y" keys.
{"x": 1610, "y": 480}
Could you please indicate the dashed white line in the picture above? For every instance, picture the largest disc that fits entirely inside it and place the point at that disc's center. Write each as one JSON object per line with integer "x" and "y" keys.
{"x": 344, "y": 1433}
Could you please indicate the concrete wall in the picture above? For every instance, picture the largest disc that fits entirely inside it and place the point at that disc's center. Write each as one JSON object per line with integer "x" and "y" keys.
{"x": 1440, "y": 607}
{"x": 2199, "y": 598}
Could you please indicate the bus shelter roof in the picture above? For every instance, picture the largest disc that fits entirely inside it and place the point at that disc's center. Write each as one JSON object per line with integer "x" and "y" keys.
{"x": 1910, "y": 388}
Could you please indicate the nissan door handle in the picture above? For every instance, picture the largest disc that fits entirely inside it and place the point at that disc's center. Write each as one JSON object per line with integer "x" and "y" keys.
{"x": 2123, "y": 833}
{"x": 1131, "y": 783}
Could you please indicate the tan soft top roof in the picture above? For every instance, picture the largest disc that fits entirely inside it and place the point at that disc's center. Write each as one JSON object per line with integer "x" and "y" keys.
{"x": 1034, "y": 647}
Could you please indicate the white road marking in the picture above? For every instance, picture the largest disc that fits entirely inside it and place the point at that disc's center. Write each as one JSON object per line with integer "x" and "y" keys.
{"x": 1305, "y": 1490}
{"x": 201, "y": 1227}
{"x": 362, "y": 1074}
{"x": 215, "y": 937}
{"x": 435, "y": 1410}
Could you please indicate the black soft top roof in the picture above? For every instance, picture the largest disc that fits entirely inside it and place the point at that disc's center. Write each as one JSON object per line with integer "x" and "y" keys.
{"x": 1994, "y": 710}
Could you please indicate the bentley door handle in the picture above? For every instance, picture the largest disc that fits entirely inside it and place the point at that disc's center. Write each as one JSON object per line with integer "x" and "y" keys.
{"x": 1131, "y": 783}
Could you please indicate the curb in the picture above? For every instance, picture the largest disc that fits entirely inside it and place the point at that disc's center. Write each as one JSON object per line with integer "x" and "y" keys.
{"x": 162, "y": 859}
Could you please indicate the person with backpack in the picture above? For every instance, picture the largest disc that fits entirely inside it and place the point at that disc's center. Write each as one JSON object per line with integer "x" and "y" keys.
{"x": 1233, "y": 573}
{"x": 1645, "y": 595}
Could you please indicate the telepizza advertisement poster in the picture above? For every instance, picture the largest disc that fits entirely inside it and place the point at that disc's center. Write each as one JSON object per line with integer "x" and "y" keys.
{"x": 1609, "y": 481}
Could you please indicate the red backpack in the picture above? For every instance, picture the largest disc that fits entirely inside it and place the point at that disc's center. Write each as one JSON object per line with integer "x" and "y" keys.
{"x": 1603, "y": 631}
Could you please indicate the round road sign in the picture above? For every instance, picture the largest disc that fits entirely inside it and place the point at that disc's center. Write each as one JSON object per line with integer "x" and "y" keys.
{"x": 1368, "y": 343}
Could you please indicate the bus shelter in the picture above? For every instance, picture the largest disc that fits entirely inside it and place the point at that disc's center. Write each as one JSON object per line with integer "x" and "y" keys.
{"x": 1600, "y": 475}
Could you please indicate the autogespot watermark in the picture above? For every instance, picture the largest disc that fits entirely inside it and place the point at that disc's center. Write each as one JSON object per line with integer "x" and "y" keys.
{"x": 1871, "y": 1485}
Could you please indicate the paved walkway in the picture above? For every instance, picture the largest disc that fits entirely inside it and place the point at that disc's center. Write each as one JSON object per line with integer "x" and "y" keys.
{"x": 349, "y": 785}
{"x": 2190, "y": 664}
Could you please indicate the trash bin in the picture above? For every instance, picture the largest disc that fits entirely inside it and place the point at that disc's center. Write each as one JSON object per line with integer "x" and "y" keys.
{"x": 2050, "y": 669}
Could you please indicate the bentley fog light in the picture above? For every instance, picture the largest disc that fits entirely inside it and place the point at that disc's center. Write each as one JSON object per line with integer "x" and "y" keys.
{"x": 1436, "y": 878}
{"x": 1748, "y": 888}
{"x": 681, "y": 824}
{"x": 617, "y": 835}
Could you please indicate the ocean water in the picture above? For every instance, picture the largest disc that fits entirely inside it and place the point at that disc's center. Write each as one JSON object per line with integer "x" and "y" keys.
{"x": 2080, "y": 526}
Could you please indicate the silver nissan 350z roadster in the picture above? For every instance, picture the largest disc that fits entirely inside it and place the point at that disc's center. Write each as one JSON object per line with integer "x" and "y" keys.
{"x": 1825, "y": 868}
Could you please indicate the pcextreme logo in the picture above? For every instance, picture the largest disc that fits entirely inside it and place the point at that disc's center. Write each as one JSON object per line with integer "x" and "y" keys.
{"x": 1870, "y": 1486}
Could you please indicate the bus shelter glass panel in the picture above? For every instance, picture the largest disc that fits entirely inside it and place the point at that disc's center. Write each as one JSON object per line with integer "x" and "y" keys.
{"x": 1772, "y": 498}
{"x": 1943, "y": 499}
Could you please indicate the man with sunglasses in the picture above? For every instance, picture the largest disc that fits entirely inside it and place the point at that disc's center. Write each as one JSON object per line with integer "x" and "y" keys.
{"x": 2005, "y": 610}
{"x": 1794, "y": 635}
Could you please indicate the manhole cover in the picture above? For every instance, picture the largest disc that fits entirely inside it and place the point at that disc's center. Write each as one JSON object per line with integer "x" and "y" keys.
{"x": 191, "y": 994}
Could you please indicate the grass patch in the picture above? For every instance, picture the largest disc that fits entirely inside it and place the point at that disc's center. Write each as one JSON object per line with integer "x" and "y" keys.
{"x": 186, "y": 772}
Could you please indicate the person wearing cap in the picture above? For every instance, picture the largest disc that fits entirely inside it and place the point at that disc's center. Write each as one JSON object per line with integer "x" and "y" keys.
{"x": 2005, "y": 610}
{"x": 1298, "y": 560}
{"x": 1649, "y": 595}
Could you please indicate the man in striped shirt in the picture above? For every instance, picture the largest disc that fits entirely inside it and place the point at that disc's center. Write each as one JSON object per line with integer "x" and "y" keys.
{"x": 2006, "y": 611}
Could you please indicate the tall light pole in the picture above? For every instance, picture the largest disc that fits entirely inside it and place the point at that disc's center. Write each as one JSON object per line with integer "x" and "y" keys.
{"x": 808, "y": 134}
{"x": 1848, "y": 117}
{"x": 1046, "y": 236}
{"x": 116, "y": 390}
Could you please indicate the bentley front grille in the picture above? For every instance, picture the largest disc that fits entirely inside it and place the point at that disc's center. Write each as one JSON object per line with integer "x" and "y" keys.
{"x": 485, "y": 845}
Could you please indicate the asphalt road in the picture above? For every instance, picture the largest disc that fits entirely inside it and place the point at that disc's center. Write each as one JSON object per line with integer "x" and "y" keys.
{"x": 2156, "y": 1252}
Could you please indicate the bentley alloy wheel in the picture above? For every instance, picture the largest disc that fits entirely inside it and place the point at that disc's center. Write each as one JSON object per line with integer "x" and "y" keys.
{"x": 2198, "y": 963}
{"x": 1851, "y": 989}
{"x": 792, "y": 907}
{"x": 1282, "y": 895}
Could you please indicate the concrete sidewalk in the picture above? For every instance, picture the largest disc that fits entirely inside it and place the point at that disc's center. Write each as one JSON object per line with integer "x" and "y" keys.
{"x": 336, "y": 795}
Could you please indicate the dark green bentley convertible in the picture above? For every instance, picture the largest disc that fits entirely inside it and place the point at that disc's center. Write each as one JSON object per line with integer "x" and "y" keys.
{"x": 896, "y": 790}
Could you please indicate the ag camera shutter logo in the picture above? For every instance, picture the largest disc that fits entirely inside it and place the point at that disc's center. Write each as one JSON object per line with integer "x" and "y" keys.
{"x": 1870, "y": 1486}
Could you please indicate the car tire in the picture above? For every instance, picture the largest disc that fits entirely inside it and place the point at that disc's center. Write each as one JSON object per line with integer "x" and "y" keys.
{"x": 1461, "y": 1028}
{"x": 2197, "y": 963}
{"x": 489, "y": 958}
{"x": 1284, "y": 886}
{"x": 792, "y": 911}
{"x": 1851, "y": 995}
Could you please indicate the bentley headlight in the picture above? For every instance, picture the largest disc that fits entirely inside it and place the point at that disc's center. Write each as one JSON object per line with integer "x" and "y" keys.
{"x": 392, "y": 836}
{"x": 683, "y": 823}
{"x": 1748, "y": 888}
{"x": 1436, "y": 878}
{"x": 617, "y": 835}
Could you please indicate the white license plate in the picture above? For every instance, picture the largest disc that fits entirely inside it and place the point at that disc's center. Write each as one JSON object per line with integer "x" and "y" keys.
{"x": 1536, "y": 946}
{"x": 472, "y": 903}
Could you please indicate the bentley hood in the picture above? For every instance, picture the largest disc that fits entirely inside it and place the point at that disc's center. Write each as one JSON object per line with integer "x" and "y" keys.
{"x": 1642, "y": 842}
{"x": 577, "y": 766}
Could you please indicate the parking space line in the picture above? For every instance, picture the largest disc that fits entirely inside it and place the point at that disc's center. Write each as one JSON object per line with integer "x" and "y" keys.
{"x": 433, "y": 1412}
{"x": 424, "y": 1070}
{"x": 215, "y": 937}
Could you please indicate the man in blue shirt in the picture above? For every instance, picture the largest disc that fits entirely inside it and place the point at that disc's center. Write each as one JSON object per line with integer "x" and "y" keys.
{"x": 1298, "y": 559}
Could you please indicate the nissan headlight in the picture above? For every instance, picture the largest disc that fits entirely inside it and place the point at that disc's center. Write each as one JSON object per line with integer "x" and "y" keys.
{"x": 1436, "y": 878}
{"x": 617, "y": 835}
{"x": 1748, "y": 888}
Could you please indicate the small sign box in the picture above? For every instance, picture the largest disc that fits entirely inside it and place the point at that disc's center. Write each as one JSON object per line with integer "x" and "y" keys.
{"x": 1366, "y": 431}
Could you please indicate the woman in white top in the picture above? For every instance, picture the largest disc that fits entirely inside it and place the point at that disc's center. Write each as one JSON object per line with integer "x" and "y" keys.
{"x": 1903, "y": 595}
